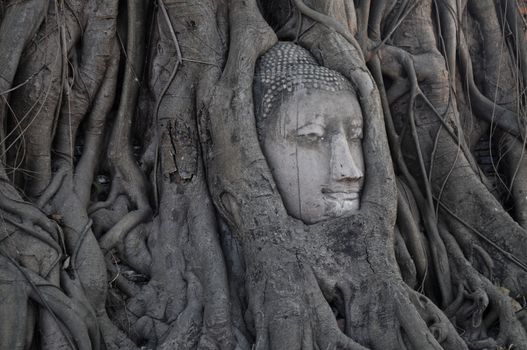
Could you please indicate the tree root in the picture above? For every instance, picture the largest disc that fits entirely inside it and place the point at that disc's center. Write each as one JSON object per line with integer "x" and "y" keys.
{"x": 515, "y": 167}
{"x": 329, "y": 22}
{"x": 113, "y": 337}
{"x": 29, "y": 215}
{"x": 480, "y": 304}
{"x": 60, "y": 307}
{"x": 329, "y": 285}
{"x": 29, "y": 220}
{"x": 53, "y": 187}
{"x": 485, "y": 108}
{"x": 411, "y": 233}
{"x": 438, "y": 323}
{"x": 14, "y": 310}
{"x": 135, "y": 193}
{"x": 297, "y": 317}
{"x": 125, "y": 225}
{"x": 405, "y": 261}
{"x": 21, "y": 21}
{"x": 127, "y": 176}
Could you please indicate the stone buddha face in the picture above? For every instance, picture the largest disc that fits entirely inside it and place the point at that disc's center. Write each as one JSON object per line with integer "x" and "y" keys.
{"x": 313, "y": 146}
{"x": 311, "y": 137}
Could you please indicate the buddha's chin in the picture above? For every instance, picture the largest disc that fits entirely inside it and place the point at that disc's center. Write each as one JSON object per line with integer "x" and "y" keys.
{"x": 337, "y": 206}
{"x": 333, "y": 207}
{"x": 329, "y": 207}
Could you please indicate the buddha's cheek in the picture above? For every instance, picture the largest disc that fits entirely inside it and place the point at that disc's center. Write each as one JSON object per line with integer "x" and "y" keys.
{"x": 313, "y": 175}
{"x": 299, "y": 173}
{"x": 282, "y": 161}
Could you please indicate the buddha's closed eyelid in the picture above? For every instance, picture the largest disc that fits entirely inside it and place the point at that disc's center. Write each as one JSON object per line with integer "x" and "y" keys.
{"x": 311, "y": 128}
{"x": 309, "y": 134}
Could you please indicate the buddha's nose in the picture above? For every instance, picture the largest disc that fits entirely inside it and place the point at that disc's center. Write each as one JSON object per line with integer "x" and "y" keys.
{"x": 344, "y": 167}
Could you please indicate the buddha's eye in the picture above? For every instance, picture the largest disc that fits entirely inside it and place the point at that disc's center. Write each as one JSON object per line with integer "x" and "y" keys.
{"x": 311, "y": 133}
{"x": 312, "y": 137}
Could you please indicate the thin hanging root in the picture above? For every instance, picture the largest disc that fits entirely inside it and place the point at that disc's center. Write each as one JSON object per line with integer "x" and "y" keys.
{"x": 401, "y": 87}
{"x": 417, "y": 250}
{"x": 413, "y": 324}
{"x": 487, "y": 260}
{"x": 501, "y": 305}
{"x": 511, "y": 257}
{"x": 482, "y": 106}
{"x": 470, "y": 284}
{"x": 439, "y": 325}
{"x": 73, "y": 289}
{"x": 363, "y": 21}
{"x": 450, "y": 310}
{"x": 459, "y": 141}
{"x": 30, "y": 214}
{"x": 96, "y": 51}
{"x": 179, "y": 60}
{"x": 405, "y": 260}
{"x": 404, "y": 12}
{"x": 425, "y": 202}
{"x": 329, "y": 22}
{"x": 66, "y": 313}
{"x": 79, "y": 242}
{"x": 94, "y": 130}
{"x": 448, "y": 15}
{"x": 127, "y": 177}
{"x": 437, "y": 246}
{"x": 52, "y": 188}
{"x": 20, "y": 23}
{"x": 412, "y": 235}
{"x": 62, "y": 310}
{"x": 517, "y": 25}
{"x": 393, "y": 138}
{"x": 27, "y": 228}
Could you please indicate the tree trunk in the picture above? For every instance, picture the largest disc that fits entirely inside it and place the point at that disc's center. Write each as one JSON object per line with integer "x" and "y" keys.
{"x": 140, "y": 208}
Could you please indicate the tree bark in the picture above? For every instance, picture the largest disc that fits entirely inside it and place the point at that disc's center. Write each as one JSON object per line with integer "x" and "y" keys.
{"x": 138, "y": 210}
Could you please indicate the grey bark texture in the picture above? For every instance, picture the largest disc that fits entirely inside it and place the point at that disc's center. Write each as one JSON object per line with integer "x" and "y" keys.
{"x": 138, "y": 211}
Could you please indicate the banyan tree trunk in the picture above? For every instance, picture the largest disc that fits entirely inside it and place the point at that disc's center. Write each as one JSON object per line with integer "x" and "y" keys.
{"x": 138, "y": 211}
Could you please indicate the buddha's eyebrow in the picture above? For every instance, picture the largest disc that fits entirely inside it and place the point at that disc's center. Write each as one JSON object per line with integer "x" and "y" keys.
{"x": 311, "y": 123}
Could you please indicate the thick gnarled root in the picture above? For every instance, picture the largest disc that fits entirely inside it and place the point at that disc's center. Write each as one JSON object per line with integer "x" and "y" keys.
{"x": 386, "y": 314}
{"x": 485, "y": 312}
{"x": 292, "y": 306}
{"x": 288, "y": 311}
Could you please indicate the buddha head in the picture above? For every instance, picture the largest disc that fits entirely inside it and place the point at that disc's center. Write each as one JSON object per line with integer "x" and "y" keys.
{"x": 310, "y": 130}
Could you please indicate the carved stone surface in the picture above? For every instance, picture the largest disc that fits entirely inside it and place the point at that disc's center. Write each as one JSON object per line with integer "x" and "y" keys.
{"x": 310, "y": 128}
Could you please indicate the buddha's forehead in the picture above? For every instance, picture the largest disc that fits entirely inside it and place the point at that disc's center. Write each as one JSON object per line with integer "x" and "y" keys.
{"x": 321, "y": 107}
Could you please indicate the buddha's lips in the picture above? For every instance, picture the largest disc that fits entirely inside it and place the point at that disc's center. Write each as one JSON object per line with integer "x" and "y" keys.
{"x": 342, "y": 196}
{"x": 353, "y": 188}
{"x": 340, "y": 203}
